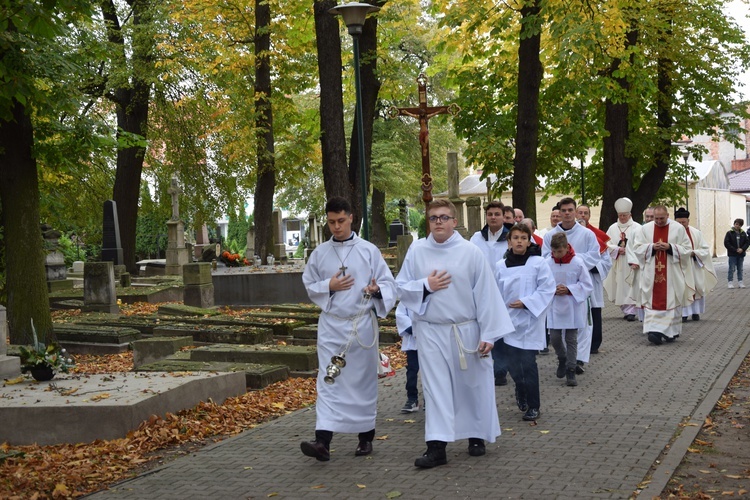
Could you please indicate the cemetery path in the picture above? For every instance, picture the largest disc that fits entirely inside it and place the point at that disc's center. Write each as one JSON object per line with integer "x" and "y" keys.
{"x": 607, "y": 438}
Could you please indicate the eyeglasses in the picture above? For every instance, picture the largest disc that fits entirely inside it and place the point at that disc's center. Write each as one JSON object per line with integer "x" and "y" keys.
{"x": 441, "y": 218}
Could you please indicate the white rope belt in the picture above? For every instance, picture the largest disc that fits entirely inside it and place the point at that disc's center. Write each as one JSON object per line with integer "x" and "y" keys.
{"x": 462, "y": 350}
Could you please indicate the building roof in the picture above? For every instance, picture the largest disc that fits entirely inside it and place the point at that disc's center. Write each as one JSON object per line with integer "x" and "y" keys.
{"x": 739, "y": 182}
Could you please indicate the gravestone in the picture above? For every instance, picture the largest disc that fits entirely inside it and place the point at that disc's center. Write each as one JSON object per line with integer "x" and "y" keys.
{"x": 403, "y": 214}
{"x": 201, "y": 241}
{"x": 177, "y": 254}
{"x": 454, "y": 194}
{"x": 10, "y": 366}
{"x": 403, "y": 243}
{"x": 111, "y": 246}
{"x": 250, "y": 247}
{"x": 312, "y": 233}
{"x": 474, "y": 215}
{"x": 78, "y": 267}
{"x": 279, "y": 247}
{"x": 54, "y": 261}
{"x": 395, "y": 230}
{"x": 199, "y": 286}
{"x": 99, "y": 288}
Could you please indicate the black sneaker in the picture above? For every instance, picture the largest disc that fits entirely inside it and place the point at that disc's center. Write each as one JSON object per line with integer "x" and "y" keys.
{"x": 531, "y": 415}
{"x": 544, "y": 351}
{"x": 501, "y": 380}
{"x": 434, "y": 456}
{"x": 410, "y": 406}
{"x": 696, "y": 317}
{"x": 579, "y": 368}
{"x": 560, "y": 373}
{"x": 521, "y": 401}
{"x": 630, "y": 317}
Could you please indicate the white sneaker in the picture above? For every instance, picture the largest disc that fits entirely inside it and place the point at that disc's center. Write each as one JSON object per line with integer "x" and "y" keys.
{"x": 740, "y": 284}
{"x": 730, "y": 285}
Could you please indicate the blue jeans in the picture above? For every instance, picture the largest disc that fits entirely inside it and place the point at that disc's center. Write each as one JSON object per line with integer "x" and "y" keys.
{"x": 523, "y": 369}
{"x": 412, "y": 369}
{"x": 499, "y": 361}
{"x": 735, "y": 261}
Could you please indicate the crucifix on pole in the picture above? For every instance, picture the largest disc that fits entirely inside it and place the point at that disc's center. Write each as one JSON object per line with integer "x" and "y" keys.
{"x": 423, "y": 113}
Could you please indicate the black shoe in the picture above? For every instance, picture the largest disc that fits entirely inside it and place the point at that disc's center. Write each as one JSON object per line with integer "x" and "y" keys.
{"x": 579, "y": 368}
{"x": 363, "y": 448}
{"x": 531, "y": 415}
{"x": 696, "y": 317}
{"x": 560, "y": 373}
{"x": 684, "y": 319}
{"x": 434, "y": 456}
{"x": 501, "y": 380}
{"x": 654, "y": 338}
{"x": 544, "y": 351}
{"x": 669, "y": 339}
{"x": 630, "y": 317}
{"x": 521, "y": 401}
{"x": 594, "y": 351}
{"x": 315, "y": 449}
{"x": 570, "y": 376}
{"x": 476, "y": 447}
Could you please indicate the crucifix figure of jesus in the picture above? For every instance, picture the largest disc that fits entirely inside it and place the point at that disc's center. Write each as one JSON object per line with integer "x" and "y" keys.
{"x": 423, "y": 113}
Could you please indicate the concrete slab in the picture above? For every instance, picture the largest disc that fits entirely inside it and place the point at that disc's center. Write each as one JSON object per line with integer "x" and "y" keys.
{"x": 83, "y": 408}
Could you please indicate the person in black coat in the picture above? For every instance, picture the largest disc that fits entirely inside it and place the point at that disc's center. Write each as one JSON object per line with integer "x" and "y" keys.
{"x": 736, "y": 242}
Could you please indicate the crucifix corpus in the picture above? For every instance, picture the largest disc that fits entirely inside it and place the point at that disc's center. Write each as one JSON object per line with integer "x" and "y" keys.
{"x": 423, "y": 113}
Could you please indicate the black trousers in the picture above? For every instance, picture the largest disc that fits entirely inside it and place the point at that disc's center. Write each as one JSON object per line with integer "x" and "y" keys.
{"x": 596, "y": 320}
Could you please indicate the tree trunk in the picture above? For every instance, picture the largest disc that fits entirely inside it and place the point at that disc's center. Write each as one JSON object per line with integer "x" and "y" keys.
{"x": 26, "y": 281}
{"x": 132, "y": 120}
{"x": 379, "y": 229}
{"x": 530, "y": 74}
{"x": 266, "y": 183}
{"x": 332, "y": 136}
{"x": 618, "y": 168}
{"x": 368, "y": 48}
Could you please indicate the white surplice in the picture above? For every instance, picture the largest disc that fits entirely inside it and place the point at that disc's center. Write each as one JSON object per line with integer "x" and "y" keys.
{"x": 704, "y": 274}
{"x": 493, "y": 251}
{"x": 534, "y": 285}
{"x": 350, "y": 403}
{"x": 617, "y": 283}
{"x": 458, "y": 384}
{"x": 680, "y": 286}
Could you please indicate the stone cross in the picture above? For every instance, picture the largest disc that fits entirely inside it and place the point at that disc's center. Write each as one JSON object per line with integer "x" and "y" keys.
{"x": 423, "y": 113}
{"x": 175, "y": 191}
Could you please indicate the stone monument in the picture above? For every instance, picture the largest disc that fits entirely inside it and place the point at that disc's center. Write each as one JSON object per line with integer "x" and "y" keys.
{"x": 111, "y": 246}
{"x": 199, "y": 285}
{"x": 177, "y": 253}
{"x": 201, "y": 241}
{"x": 250, "y": 247}
{"x": 99, "y": 288}
{"x": 54, "y": 261}
{"x": 474, "y": 215}
{"x": 10, "y": 366}
{"x": 454, "y": 195}
{"x": 279, "y": 247}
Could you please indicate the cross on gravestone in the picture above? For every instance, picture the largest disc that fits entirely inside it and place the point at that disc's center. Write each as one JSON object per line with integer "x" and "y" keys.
{"x": 111, "y": 246}
{"x": 423, "y": 113}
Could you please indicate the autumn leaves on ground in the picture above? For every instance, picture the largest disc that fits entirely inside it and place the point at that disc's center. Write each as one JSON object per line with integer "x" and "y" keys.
{"x": 76, "y": 469}
{"x": 713, "y": 468}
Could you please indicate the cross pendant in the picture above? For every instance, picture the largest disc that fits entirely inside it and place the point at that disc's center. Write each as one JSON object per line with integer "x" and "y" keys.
{"x": 343, "y": 269}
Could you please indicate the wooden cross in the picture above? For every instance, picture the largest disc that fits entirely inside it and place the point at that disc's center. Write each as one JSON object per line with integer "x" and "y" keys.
{"x": 423, "y": 113}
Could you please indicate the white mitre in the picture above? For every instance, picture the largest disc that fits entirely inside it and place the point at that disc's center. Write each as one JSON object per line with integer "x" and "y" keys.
{"x": 623, "y": 205}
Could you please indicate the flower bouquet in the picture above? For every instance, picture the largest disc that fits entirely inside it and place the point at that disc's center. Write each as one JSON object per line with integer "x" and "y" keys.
{"x": 43, "y": 362}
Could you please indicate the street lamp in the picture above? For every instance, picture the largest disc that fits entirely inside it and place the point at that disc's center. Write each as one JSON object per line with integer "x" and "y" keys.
{"x": 685, "y": 156}
{"x": 354, "y": 15}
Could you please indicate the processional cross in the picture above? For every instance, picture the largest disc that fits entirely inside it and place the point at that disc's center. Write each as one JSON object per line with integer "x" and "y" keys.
{"x": 423, "y": 113}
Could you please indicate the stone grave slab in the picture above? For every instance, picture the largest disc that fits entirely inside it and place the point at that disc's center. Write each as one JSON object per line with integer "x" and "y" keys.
{"x": 297, "y": 358}
{"x": 94, "y": 339}
{"x": 221, "y": 334}
{"x": 110, "y": 405}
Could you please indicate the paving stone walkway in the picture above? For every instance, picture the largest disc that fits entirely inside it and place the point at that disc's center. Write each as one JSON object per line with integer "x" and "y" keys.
{"x": 598, "y": 440}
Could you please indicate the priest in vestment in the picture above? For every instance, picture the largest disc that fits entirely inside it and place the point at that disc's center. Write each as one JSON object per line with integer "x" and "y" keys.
{"x": 662, "y": 252}
{"x": 457, "y": 315}
{"x": 621, "y": 237}
{"x": 703, "y": 268}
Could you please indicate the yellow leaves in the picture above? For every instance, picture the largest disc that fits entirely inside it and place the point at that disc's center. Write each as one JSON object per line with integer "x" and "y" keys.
{"x": 361, "y": 486}
{"x": 60, "y": 491}
{"x": 382, "y": 438}
{"x": 14, "y": 381}
{"x": 99, "y": 397}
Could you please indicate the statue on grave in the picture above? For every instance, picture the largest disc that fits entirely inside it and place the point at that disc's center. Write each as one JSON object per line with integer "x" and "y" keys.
{"x": 174, "y": 190}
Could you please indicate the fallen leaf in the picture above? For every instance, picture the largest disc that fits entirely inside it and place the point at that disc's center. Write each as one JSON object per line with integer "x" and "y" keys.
{"x": 274, "y": 494}
{"x": 14, "y": 381}
{"x": 727, "y": 493}
{"x": 409, "y": 421}
{"x": 361, "y": 486}
{"x": 60, "y": 491}
{"x": 694, "y": 450}
{"x": 705, "y": 471}
{"x": 734, "y": 476}
{"x": 99, "y": 397}
{"x": 544, "y": 432}
{"x": 382, "y": 438}
{"x": 279, "y": 406}
{"x": 393, "y": 494}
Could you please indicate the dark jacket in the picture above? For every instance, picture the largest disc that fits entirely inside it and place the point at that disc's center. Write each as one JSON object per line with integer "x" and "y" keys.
{"x": 730, "y": 242}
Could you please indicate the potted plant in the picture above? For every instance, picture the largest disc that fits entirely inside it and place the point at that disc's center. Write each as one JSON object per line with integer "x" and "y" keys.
{"x": 43, "y": 362}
